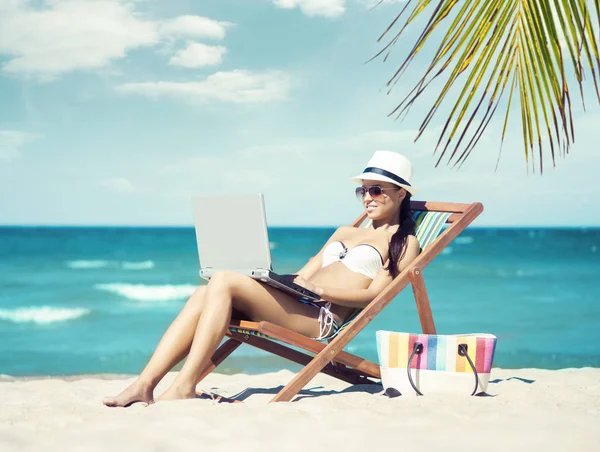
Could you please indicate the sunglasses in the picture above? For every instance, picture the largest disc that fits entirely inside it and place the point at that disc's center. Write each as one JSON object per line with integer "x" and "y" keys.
{"x": 375, "y": 191}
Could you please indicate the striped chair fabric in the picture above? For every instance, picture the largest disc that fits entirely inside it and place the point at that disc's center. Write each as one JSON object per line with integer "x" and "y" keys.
{"x": 428, "y": 226}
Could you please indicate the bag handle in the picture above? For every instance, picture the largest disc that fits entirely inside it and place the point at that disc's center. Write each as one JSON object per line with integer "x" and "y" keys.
{"x": 462, "y": 351}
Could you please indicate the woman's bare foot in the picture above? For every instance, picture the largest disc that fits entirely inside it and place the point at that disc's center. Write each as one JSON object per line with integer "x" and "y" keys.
{"x": 134, "y": 393}
{"x": 175, "y": 393}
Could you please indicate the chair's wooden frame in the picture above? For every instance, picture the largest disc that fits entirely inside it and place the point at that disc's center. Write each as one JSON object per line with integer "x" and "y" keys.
{"x": 330, "y": 358}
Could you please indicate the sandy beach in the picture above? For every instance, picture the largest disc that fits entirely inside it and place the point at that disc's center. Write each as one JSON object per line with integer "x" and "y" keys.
{"x": 557, "y": 410}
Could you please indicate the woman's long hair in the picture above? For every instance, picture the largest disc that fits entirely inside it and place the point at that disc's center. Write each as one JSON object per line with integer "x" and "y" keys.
{"x": 398, "y": 242}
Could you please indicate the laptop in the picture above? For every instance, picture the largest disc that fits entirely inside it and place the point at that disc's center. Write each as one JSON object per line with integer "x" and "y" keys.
{"x": 231, "y": 234}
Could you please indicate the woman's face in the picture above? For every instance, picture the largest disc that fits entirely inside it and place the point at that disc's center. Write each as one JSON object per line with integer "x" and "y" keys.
{"x": 384, "y": 203}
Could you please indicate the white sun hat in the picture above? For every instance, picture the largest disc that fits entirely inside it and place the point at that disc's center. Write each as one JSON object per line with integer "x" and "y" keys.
{"x": 388, "y": 166}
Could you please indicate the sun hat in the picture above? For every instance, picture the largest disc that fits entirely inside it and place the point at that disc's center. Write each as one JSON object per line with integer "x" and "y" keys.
{"x": 388, "y": 166}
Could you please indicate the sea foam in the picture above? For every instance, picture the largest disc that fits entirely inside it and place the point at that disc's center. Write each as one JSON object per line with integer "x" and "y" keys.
{"x": 145, "y": 265}
{"x": 142, "y": 292}
{"x": 41, "y": 314}
{"x": 465, "y": 240}
{"x": 93, "y": 264}
{"x": 86, "y": 264}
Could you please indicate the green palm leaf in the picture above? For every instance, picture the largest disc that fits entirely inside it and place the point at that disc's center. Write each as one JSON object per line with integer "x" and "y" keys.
{"x": 526, "y": 49}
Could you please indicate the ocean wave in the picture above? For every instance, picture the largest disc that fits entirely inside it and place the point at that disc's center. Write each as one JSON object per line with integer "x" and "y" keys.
{"x": 447, "y": 251}
{"x": 466, "y": 240}
{"x": 144, "y": 265}
{"x": 41, "y": 314}
{"x": 84, "y": 264}
{"x": 142, "y": 292}
{"x": 94, "y": 264}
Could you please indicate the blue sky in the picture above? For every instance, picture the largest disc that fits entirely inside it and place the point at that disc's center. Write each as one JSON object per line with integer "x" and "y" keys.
{"x": 117, "y": 112}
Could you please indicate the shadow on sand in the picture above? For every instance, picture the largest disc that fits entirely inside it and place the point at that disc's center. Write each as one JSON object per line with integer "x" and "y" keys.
{"x": 524, "y": 380}
{"x": 318, "y": 391}
{"x": 303, "y": 394}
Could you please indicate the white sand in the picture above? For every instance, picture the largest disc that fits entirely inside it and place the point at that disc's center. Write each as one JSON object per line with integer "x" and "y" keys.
{"x": 559, "y": 411}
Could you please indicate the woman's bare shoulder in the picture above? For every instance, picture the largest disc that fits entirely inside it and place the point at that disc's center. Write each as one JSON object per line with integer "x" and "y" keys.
{"x": 411, "y": 252}
{"x": 412, "y": 242}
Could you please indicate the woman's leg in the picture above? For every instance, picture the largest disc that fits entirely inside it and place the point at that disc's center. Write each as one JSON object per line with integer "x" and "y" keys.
{"x": 172, "y": 348}
{"x": 228, "y": 290}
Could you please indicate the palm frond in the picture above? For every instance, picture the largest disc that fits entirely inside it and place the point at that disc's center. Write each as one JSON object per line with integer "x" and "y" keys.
{"x": 530, "y": 47}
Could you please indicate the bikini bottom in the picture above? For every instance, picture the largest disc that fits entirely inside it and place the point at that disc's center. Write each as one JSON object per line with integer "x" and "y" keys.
{"x": 328, "y": 327}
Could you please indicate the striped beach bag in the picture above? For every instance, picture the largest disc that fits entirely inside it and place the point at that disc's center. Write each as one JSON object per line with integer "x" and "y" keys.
{"x": 426, "y": 363}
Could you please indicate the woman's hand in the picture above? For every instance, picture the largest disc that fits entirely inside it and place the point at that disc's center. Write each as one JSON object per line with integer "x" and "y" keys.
{"x": 308, "y": 285}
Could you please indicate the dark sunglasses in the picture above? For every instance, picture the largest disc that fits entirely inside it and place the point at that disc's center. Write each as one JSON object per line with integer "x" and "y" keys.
{"x": 375, "y": 191}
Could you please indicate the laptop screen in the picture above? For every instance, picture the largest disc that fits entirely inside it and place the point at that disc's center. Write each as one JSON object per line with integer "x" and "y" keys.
{"x": 231, "y": 232}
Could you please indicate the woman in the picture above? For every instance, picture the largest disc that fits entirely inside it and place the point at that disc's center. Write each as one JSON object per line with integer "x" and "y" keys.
{"x": 351, "y": 269}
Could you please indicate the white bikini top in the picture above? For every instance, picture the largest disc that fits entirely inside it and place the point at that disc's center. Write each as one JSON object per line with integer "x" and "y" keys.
{"x": 364, "y": 258}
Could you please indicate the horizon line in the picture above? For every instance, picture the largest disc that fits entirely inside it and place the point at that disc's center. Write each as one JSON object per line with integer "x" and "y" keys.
{"x": 191, "y": 226}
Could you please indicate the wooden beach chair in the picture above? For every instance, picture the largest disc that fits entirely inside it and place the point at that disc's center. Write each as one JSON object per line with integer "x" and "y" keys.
{"x": 330, "y": 358}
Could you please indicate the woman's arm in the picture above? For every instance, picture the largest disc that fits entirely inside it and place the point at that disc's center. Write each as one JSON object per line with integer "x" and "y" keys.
{"x": 355, "y": 298}
{"x": 359, "y": 298}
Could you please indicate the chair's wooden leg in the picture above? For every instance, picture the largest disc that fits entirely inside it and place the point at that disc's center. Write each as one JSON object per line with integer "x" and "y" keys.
{"x": 315, "y": 366}
{"x": 292, "y": 338}
{"x": 219, "y": 356}
{"x": 422, "y": 300}
{"x": 347, "y": 375}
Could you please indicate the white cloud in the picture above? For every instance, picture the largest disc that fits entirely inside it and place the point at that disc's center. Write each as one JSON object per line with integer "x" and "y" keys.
{"x": 194, "y": 27}
{"x": 69, "y": 34}
{"x": 66, "y": 35}
{"x": 120, "y": 185}
{"x": 12, "y": 142}
{"x": 236, "y": 86}
{"x": 327, "y": 8}
{"x": 197, "y": 54}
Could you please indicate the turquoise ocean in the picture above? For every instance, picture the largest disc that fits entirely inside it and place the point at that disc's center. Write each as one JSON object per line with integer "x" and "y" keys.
{"x": 77, "y": 300}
